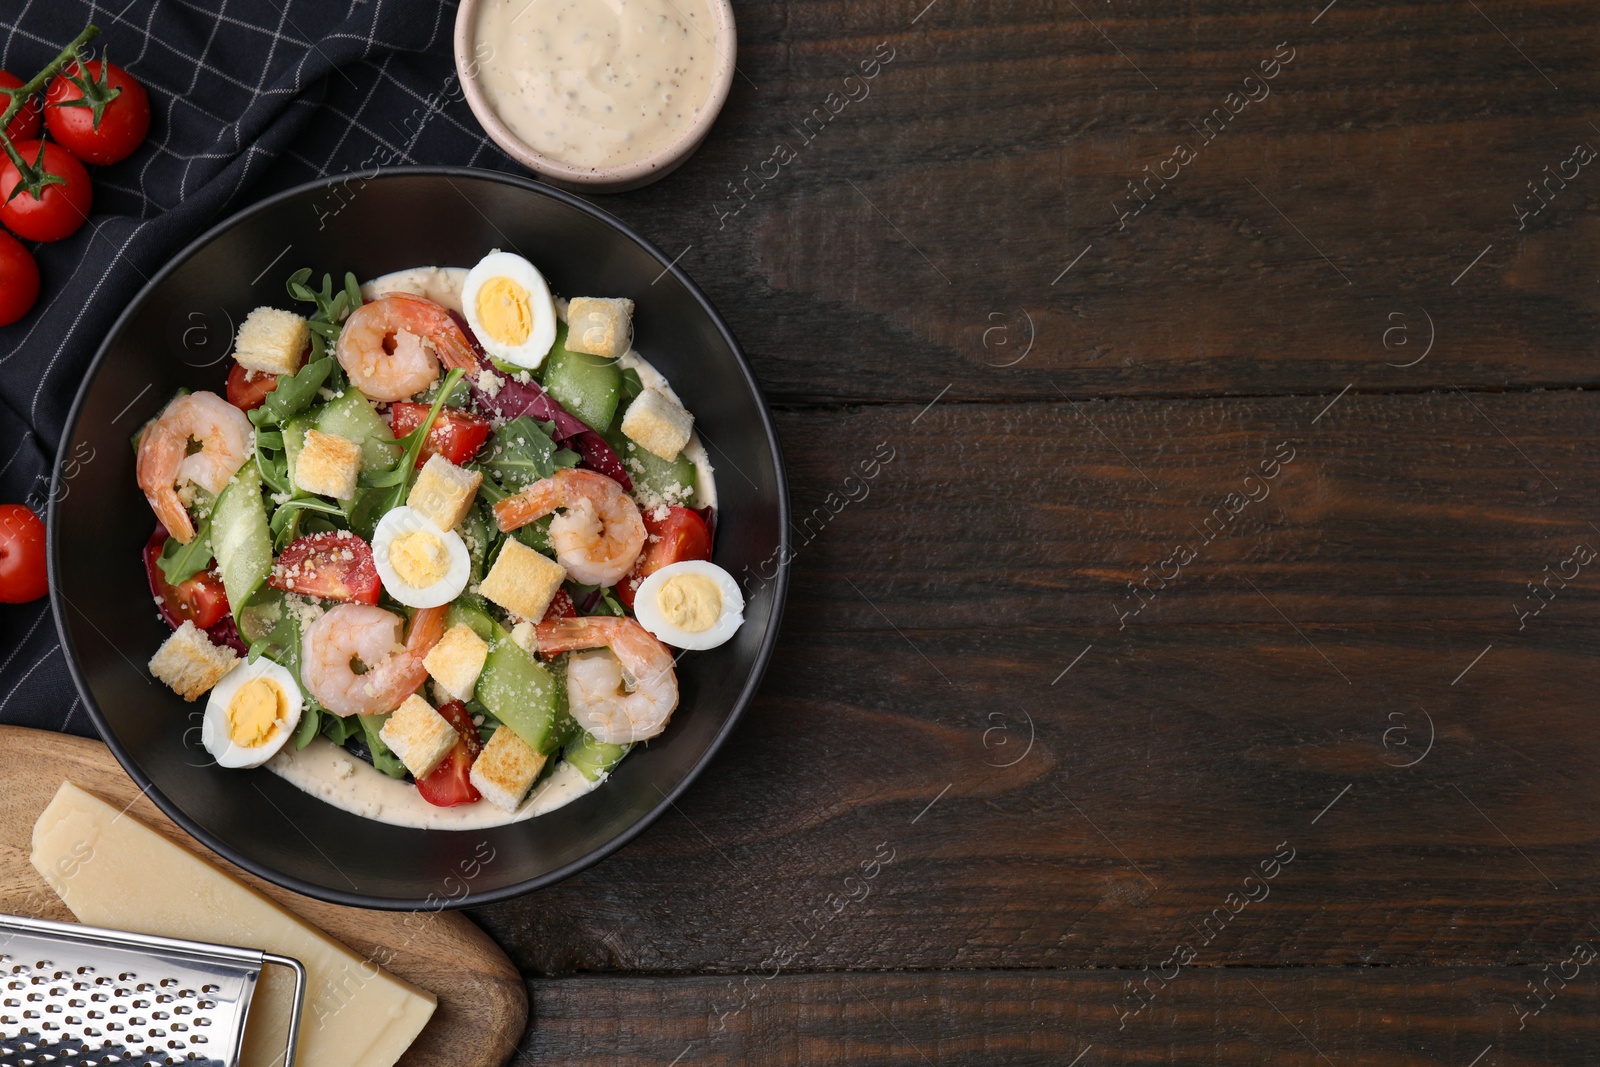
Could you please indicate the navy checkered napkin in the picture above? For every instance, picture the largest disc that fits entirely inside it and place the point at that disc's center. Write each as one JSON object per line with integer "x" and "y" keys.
{"x": 247, "y": 97}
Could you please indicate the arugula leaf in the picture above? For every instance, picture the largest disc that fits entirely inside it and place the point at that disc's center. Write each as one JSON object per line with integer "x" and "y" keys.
{"x": 310, "y": 726}
{"x": 180, "y": 562}
{"x": 293, "y": 394}
{"x": 340, "y": 730}
{"x": 332, "y": 307}
{"x": 273, "y": 461}
{"x": 281, "y": 515}
{"x": 382, "y": 758}
{"x": 522, "y": 452}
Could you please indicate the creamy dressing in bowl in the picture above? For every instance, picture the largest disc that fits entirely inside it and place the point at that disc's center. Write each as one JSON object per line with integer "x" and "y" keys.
{"x": 598, "y": 83}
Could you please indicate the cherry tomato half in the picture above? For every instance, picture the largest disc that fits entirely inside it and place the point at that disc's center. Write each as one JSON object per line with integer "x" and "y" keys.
{"x": 199, "y": 599}
{"x": 19, "y": 280}
{"x": 450, "y": 783}
{"x": 22, "y": 566}
{"x": 122, "y": 103}
{"x": 336, "y": 565}
{"x": 62, "y": 206}
{"x": 455, "y": 434}
{"x": 25, "y": 126}
{"x": 248, "y": 389}
{"x": 682, "y": 535}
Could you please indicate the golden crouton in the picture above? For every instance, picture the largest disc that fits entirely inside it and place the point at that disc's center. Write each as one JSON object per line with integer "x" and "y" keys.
{"x": 522, "y": 581}
{"x": 271, "y": 341}
{"x": 189, "y": 663}
{"x": 328, "y": 465}
{"x": 443, "y": 491}
{"x": 504, "y": 771}
{"x": 456, "y": 660}
{"x": 657, "y": 422}
{"x": 420, "y": 736}
{"x": 599, "y": 326}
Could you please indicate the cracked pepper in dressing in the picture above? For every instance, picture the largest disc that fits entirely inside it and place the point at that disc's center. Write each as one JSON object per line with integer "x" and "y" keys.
{"x": 597, "y": 83}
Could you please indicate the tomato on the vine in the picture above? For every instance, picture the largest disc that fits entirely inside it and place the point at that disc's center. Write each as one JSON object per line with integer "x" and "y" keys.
{"x": 24, "y": 125}
{"x": 248, "y": 389}
{"x": 58, "y": 206}
{"x": 97, "y": 111}
{"x": 681, "y": 535}
{"x": 450, "y": 783}
{"x": 19, "y": 280}
{"x": 22, "y": 563}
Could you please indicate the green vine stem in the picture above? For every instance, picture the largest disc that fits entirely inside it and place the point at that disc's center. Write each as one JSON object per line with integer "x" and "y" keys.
{"x": 22, "y": 94}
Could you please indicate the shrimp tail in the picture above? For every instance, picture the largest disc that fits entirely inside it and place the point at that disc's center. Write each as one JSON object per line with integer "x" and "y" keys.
{"x": 534, "y": 502}
{"x": 427, "y": 627}
{"x": 172, "y": 514}
{"x": 569, "y": 635}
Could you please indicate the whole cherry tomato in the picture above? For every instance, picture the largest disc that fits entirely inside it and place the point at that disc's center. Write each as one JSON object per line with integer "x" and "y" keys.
{"x": 22, "y": 566}
{"x": 25, "y": 126}
{"x": 19, "y": 280}
{"x": 59, "y": 207}
{"x": 97, "y": 112}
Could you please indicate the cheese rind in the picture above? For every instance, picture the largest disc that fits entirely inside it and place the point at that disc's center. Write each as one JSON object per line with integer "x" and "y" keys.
{"x": 111, "y": 870}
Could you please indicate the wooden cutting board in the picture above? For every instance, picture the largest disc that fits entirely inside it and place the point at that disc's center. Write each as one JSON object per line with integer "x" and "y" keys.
{"x": 483, "y": 1004}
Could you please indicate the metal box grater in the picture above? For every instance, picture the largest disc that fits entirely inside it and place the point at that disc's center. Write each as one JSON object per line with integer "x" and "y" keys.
{"x": 80, "y": 996}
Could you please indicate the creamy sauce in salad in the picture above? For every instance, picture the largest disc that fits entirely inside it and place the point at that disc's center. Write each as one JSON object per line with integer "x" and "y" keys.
{"x": 597, "y": 83}
{"x": 328, "y": 772}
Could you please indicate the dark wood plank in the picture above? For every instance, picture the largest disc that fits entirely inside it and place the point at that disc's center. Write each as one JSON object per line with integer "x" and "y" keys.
{"x": 918, "y": 239}
{"x": 1305, "y": 650}
{"x": 1380, "y": 1016}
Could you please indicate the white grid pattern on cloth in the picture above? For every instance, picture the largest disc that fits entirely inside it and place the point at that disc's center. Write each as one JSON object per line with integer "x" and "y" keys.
{"x": 247, "y": 97}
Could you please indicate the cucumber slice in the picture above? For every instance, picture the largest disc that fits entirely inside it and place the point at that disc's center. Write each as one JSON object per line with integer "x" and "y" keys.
{"x": 470, "y": 610}
{"x": 587, "y": 386}
{"x": 592, "y": 756}
{"x": 657, "y": 480}
{"x": 351, "y": 416}
{"x": 240, "y": 539}
{"x": 523, "y": 695}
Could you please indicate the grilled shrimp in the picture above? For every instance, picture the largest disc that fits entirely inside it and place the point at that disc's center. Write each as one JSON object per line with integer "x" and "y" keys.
{"x": 391, "y": 346}
{"x": 165, "y": 462}
{"x": 625, "y": 690}
{"x": 598, "y": 535}
{"x": 372, "y": 635}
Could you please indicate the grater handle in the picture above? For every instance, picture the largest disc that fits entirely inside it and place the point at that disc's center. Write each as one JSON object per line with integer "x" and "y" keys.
{"x": 299, "y": 1000}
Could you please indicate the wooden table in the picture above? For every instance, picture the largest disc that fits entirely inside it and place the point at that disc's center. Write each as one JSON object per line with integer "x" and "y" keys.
{"x": 1208, "y": 677}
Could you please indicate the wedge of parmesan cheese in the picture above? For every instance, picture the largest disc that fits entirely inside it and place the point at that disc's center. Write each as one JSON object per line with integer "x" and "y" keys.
{"x": 113, "y": 871}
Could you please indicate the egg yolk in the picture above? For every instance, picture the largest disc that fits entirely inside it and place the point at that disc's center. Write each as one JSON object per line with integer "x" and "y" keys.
{"x": 691, "y": 602}
{"x": 504, "y": 312}
{"x": 253, "y": 712}
{"x": 419, "y": 557}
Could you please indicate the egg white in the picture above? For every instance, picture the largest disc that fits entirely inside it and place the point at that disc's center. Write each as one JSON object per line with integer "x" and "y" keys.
{"x": 214, "y": 726}
{"x": 651, "y": 617}
{"x": 542, "y": 331}
{"x": 402, "y": 520}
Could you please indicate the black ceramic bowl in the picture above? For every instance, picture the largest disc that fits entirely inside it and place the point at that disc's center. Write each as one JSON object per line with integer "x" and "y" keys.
{"x": 177, "y": 333}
